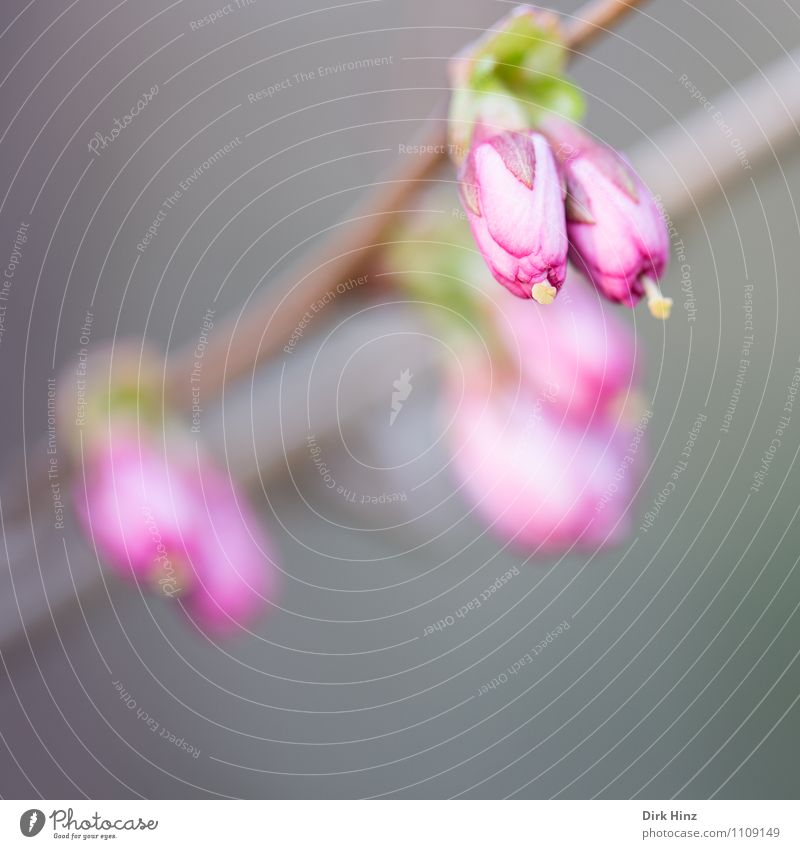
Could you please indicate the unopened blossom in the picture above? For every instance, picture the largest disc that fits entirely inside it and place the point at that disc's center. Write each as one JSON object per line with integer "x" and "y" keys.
{"x": 577, "y": 357}
{"x": 166, "y": 517}
{"x": 512, "y": 195}
{"x": 538, "y": 481}
{"x": 136, "y": 510}
{"x": 618, "y": 237}
{"x": 233, "y": 562}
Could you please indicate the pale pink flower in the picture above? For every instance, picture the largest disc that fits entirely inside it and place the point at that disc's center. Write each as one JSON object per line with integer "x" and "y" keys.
{"x": 513, "y": 198}
{"x": 166, "y": 517}
{"x": 134, "y": 507}
{"x": 233, "y": 561}
{"x": 537, "y": 481}
{"x": 576, "y": 357}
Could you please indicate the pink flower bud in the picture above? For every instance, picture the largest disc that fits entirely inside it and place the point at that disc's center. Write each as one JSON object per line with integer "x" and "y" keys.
{"x": 233, "y": 562}
{"x": 617, "y": 235}
{"x": 512, "y": 194}
{"x": 166, "y": 517}
{"x": 577, "y": 357}
{"x": 538, "y": 482}
{"x": 135, "y": 508}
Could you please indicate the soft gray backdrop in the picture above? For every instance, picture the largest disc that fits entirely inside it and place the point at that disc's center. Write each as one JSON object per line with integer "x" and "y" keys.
{"x": 679, "y": 674}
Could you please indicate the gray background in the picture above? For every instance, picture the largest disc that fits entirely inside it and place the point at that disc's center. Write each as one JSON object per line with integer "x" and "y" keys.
{"x": 679, "y": 674}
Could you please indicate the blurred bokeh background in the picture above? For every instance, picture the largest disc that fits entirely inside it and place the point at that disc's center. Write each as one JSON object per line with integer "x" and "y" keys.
{"x": 678, "y": 675}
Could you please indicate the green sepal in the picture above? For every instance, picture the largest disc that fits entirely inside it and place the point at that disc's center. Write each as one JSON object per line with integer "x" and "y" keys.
{"x": 511, "y": 78}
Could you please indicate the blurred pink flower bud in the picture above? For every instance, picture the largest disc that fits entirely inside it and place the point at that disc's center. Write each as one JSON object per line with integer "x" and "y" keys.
{"x": 158, "y": 517}
{"x": 577, "y": 357}
{"x": 617, "y": 235}
{"x": 512, "y": 194}
{"x": 539, "y": 482}
{"x": 233, "y": 562}
{"x": 135, "y": 508}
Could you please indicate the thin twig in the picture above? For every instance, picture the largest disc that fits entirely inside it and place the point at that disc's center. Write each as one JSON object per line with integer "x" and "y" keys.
{"x": 596, "y": 19}
{"x": 239, "y": 345}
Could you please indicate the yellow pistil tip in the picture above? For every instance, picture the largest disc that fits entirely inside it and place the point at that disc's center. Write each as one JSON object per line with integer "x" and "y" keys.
{"x": 544, "y": 293}
{"x": 660, "y": 307}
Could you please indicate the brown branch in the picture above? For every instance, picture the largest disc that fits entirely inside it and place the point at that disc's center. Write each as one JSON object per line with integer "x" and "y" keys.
{"x": 239, "y": 345}
{"x": 595, "y": 19}
{"x": 267, "y": 323}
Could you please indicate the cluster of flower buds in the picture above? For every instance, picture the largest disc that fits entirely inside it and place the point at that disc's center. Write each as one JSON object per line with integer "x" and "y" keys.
{"x": 537, "y": 189}
{"x": 618, "y": 237}
{"x": 154, "y": 505}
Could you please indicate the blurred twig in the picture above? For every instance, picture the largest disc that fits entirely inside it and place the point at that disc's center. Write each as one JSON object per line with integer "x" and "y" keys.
{"x": 715, "y": 146}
